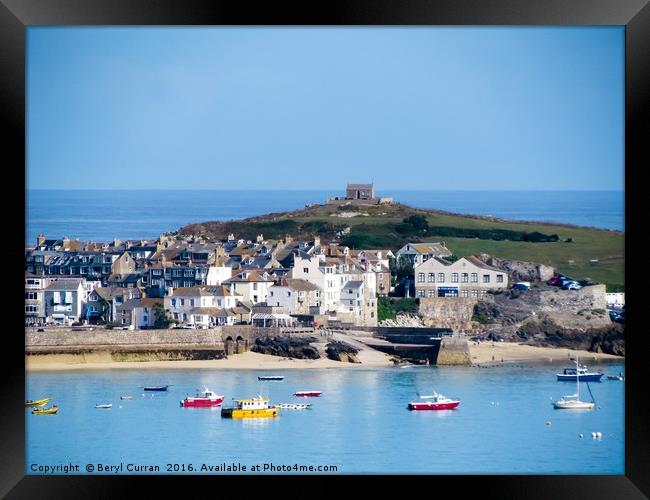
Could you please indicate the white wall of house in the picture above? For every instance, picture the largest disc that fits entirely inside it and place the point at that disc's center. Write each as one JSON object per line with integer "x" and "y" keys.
{"x": 217, "y": 275}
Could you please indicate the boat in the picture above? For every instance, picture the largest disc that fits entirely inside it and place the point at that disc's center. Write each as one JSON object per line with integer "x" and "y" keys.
{"x": 308, "y": 394}
{"x": 251, "y": 408}
{"x": 204, "y": 399}
{"x": 570, "y": 374}
{"x": 620, "y": 376}
{"x": 46, "y": 411}
{"x": 157, "y": 387}
{"x": 37, "y": 402}
{"x": 126, "y": 397}
{"x": 271, "y": 377}
{"x": 108, "y": 405}
{"x": 573, "y": 402}
{"x": 435, "y": 402}
{"x": 294, "y": 406}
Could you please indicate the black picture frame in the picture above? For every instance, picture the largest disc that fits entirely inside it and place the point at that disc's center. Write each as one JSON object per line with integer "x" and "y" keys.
{"x": 16, "y": 15}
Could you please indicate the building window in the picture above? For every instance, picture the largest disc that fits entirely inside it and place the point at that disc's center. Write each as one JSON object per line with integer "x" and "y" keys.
{"x": 464, "y": 293}
{"x": 464, "y": 278}
{"x": 432, "y": 277}
{"x": 486, "y": 278}
{"x": 305, "y": 270}
{"x": 474, "y": 293}
{"x": 441, "y": 277}
{"x": 420, "y": 277}
{"x": 474, "y": 277}
{"x": 454, "y": 277}
{"x": 499, "y": 278}
{"x": 182, "y": 302}
{"x": 381, "y": 276}
{"x": 430, "y": 293}
{"x": 420, "y": 293}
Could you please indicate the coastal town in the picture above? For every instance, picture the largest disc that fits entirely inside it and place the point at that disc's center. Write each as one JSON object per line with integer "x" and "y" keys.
{"x": 192, "y": 282}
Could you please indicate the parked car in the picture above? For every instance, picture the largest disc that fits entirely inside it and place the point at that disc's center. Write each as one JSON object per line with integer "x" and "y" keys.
{"x": 564, "y": 281}
{"x": 184, "y": 327}
{"x": 555, "y": 279}
{"x": 521, "y": 285}
{"x": 571, "y": 285}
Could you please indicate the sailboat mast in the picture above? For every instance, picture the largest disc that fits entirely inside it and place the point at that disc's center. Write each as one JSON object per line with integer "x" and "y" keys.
{"x": 577, "y": 377}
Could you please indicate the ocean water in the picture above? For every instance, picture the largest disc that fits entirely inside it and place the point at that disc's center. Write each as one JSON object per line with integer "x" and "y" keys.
{"x": 361, "y": 423}
{"x": 133, "y": 214}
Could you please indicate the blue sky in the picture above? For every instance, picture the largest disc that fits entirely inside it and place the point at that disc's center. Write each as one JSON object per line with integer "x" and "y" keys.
{"x": 314, "y": 108}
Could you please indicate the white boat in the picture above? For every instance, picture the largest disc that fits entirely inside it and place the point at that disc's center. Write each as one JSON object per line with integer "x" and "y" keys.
{"x": 294, "y": 406}
{"x": 126, "y": 397}
{"x": 573, "y": 402}
{"x": 104, "y": 405}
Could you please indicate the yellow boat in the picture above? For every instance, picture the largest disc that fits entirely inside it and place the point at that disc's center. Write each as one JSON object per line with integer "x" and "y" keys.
{"x": 251, "y": 408}
{"x": 45, "y": 411}
{"x": 37, "y": 402}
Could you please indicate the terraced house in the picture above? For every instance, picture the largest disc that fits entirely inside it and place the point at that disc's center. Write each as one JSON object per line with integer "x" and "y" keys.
{"x": 467, "y": 277}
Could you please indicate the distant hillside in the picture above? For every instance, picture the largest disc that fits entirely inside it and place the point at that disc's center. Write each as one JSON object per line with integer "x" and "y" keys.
{"x": 577, "y": 251}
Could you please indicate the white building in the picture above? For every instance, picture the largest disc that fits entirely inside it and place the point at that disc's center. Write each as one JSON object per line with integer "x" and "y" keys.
{"x": 203, "y": 305}
{"x": 295, "y": 296}
{"x": 64, "y": 301}
{"x": 251, "y": 285}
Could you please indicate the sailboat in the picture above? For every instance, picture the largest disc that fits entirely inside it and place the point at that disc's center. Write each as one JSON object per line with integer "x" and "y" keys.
{"x": 573, "y": 402}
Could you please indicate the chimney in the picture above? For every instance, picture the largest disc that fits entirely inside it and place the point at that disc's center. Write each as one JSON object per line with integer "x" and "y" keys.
{"x": 317, "y": 241}
{"x": 116, "y": 242}
{"x": 260, "y": 238}
{"x": 231, "y": 237}
{"x": 40, "y": 240}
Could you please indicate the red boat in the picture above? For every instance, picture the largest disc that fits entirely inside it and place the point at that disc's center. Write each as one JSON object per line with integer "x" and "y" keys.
{"x": 308, "y": 394}
{"x": 437, "y": 402}
{"x": 204, "y": 399}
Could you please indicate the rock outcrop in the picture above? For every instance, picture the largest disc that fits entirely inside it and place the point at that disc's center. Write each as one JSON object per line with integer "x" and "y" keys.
{"x": 544, "y": 332}
{"x": 340, "y": 351}
{"x": 298, "y": 348}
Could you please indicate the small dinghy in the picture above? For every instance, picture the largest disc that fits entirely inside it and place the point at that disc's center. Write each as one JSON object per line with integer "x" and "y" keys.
{"x": 108, "y": 405}
{"x": 45, "y": 411}
{"x": 308, "y": 394}
{"x": 126, "y": 397}
{"x": 294, "y": 406}
{"x": 271, "y": 377}
{"x": 157, "y": 387}
{"x": 37, "y": 402}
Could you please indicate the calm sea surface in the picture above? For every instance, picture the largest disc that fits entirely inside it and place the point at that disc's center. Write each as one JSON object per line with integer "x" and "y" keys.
{"x": 360, "y": 424}
{"x": 134, "y": 214}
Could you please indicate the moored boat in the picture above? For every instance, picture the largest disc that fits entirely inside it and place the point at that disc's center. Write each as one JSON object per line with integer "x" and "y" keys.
{"x": 294, "y": 406}
{"x": 434, "y": 402}
{"x": 126, "y": 397}
{"x": 270, "y": 377}
{"x": 106, "y": 405}
{"x": 46, "y": 411}
{"x": 204, "y": 399}
{"x": 251, "y": 408}
{"x": 37, "y": 402}
{"x": 157, "y": 387}
{"x": 573, "y": 402}
{"x": 571, "y": 374}
{"x": 308, "y": 394}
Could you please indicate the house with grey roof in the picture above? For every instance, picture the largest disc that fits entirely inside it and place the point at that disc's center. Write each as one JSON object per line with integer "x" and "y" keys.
{"x": 295, "y": 296}
{"x": 64, "y": 301}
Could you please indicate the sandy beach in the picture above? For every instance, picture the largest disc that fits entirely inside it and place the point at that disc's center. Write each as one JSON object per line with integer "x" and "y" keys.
{"x": 510, "y": 352}
{"x": 486, "y": 353}
{"x": 245, "y": 361}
